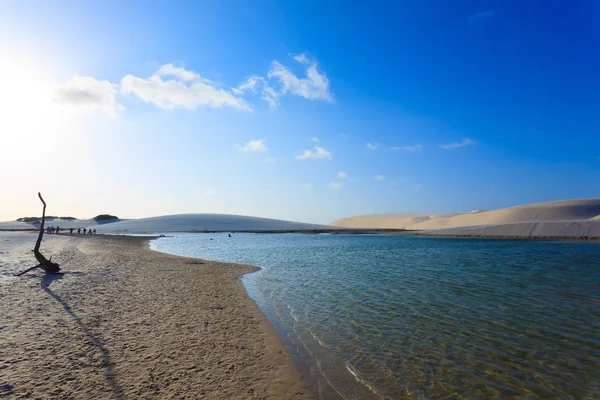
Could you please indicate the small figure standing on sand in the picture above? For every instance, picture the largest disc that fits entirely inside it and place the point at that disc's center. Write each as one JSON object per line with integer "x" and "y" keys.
{"x": 84, "y": 230}
{"x": 78, "y": 231}
{"x": 57, "y": 229}
{"x": 71, "y": 231}
{"x": 94, "y": 231}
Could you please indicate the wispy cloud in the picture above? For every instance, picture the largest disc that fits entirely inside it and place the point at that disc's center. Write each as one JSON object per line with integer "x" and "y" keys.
{"x": 342, "y": 174}
{"x": 316, "y": 140}
{"x": 457, "y": 145}
{"x": 307, "y": 186}
{"x": 380, "y": 178}
{"x": 336, "y": 185}
{"x": 372, "y": 146}
{"x": 258, "y": 84}
{"x": 254, "y": 145}
{"x": 281, "y": 81}
{"x": 416, "y": 147}
{"x": 319, "y": 153}
{"x": 210, "y": 192}
{"x": 314, "y": 86}
{"x": 89, "y": 93}
{"x": 481, "y": 16}
{"x": 418, "y": 186}
{"x": 302, "y": 58}
{"x": 185, "y": 89}
{"x": 178, "y": 72}
{"x": 270, "y": 160}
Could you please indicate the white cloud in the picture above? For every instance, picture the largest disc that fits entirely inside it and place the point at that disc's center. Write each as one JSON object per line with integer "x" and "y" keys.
{"x": 173, "y": 87}
{"x": 379, "y": 178}
{"x": 258, "y": 84}
{"x": 211, "y": 192}
{"x": 186, "y": 90}
{"x": 250, "y": 85}
{"x": 416, "y": 147}
{"x": 315, "y": 86}
{"x": 336, "y": 185}
{"x": 342, "y": 174}
{"x": 307, "y": 186}
{"x": 302, "y": 58}
{"x": 254, "y": 145}
{"x": 481, "y": 16}
{"x": 319, "y": 153}
{"x": 178, "y": 72}
{"x": 456, "y": 145}
{"x": 89, "y": 93}
{"x": 372, "y": 146}
{"x": 316, "y": 140}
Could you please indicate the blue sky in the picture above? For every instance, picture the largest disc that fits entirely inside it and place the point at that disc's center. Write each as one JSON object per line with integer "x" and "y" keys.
{"x": 143, "y": 109}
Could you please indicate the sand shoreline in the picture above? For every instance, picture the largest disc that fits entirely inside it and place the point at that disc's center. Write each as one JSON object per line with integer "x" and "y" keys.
{"x": 126, "y": 322}
{"x": 333, "y": 231}
{"x": 383, "y": 232}
{"x": 510, "y": 237}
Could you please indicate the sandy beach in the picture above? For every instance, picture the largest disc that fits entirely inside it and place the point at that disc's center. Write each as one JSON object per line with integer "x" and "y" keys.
{"x": 127, "y": 322}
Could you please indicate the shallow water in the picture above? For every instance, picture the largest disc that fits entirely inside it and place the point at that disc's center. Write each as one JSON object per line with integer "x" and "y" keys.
{"x": 419, "y": 317}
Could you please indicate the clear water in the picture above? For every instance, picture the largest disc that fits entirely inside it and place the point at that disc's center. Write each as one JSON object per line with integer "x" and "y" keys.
{"x": 418, "y": 317}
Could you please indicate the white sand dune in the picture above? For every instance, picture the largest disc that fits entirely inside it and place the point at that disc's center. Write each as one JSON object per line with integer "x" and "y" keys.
{"x": 566, "y": 218}
{"x": 204, "y": 222}
{"x": 559, "y": 229}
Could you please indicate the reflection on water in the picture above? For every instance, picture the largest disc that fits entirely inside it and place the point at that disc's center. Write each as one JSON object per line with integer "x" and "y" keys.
{"x": 407, "y": 317}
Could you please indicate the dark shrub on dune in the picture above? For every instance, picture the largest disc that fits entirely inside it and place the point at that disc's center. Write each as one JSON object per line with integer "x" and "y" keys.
{"x": 105, "y": 217}
{"x": 33, "y": 219}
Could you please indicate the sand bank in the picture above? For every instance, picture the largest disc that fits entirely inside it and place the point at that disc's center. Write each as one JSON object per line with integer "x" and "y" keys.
{"x": 127, "y": 322}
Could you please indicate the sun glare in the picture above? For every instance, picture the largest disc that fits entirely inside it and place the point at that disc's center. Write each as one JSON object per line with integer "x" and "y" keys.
{"x": 30, "y": 115}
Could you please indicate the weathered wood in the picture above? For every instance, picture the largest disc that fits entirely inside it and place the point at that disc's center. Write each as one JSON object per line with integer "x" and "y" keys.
{"x": 27, "y": 270}
{"x": 48, "y": 266}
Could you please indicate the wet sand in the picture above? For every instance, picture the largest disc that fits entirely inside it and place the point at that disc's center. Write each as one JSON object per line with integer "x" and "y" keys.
{"x": 127, "y": 322}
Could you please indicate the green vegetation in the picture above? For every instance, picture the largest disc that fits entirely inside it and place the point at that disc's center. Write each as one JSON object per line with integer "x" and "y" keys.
{"x": 105, "y": 217}
{"x": 33, "y": 219}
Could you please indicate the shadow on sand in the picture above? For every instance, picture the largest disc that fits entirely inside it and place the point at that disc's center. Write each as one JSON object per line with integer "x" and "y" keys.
{"x": 109, "y": 371}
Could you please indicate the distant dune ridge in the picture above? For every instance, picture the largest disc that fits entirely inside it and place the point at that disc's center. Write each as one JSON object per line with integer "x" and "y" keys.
{"x": 204, "y": 222}
{"x": 173, "y": 223}
{"x": 565, "y": 218}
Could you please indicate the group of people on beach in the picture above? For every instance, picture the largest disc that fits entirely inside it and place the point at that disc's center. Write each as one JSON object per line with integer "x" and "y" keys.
{"x": 56, "y": 230}
{"x": 53, "y": 229}
{"x": 89, "y": 231}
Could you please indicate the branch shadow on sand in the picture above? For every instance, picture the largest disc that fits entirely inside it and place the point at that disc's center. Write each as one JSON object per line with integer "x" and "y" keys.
{"x": 109, "y": 371}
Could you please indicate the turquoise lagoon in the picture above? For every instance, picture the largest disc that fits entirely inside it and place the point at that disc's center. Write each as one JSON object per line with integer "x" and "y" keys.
{"x": 370, "y": 316}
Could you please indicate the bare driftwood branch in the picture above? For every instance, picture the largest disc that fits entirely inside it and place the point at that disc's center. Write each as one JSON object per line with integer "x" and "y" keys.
{"x": 48, "y": 266}
{"x": 27, "y": 270}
